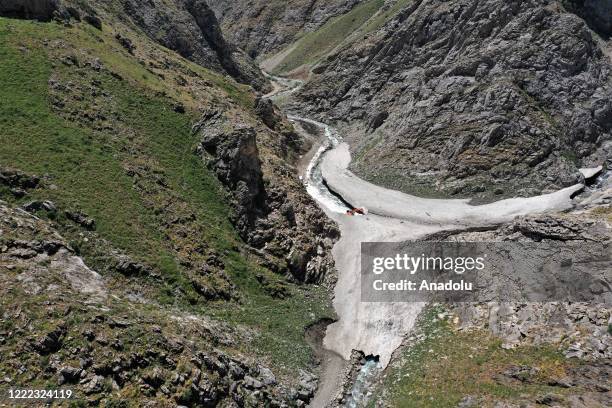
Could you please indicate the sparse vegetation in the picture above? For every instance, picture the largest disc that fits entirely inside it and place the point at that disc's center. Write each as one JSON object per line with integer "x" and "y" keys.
{"x": 446, "y": 365}
{"x": 315, "y": 45}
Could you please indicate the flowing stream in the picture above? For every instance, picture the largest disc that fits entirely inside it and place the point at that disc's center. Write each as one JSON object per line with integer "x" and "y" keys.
{"x": 313, "y": 178}
{"x": 316, "y": 187}
{"x": 318, "y": 190}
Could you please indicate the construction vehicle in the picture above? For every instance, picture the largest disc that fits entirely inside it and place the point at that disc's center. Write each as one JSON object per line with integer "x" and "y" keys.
{"x": 359, "y": 210}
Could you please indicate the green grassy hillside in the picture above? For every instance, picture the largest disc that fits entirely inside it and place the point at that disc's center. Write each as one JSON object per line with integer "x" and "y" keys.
{"x": 363, "y": 19}
{"x": 110, "y": 134}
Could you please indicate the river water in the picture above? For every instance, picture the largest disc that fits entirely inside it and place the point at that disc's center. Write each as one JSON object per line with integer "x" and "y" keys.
{"x": 317, "y": 189}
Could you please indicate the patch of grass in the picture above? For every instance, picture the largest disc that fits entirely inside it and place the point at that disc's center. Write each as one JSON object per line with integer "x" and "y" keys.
{"x": 315, "y": 45}
{"x": 448, "y": 365}
{"x": 603, "y": 212}
{"x": 86, "y": 166}
{"x": 570, "y": 156}
{"x": 383, "y": 16}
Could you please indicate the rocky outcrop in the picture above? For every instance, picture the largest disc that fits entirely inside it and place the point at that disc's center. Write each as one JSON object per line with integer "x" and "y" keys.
{"x": 487, "y": 98}
{"x": 235, "y": 160}
{"x": 18, "y": 182}
{"x": 31, "y": 247}
{"x": 263, "y": 27}
{"x": 580, "y": 331}
{"x": 272, "y": 212}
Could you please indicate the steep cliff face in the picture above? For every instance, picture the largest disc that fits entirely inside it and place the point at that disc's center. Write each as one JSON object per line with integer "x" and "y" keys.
{"x": 478, "y": 98}
{"x": 190, "y": 28}
{"x": 263, "y": 27}
{"x": 272, "y": 212}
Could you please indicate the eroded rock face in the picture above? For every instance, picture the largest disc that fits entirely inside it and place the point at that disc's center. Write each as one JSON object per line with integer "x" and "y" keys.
{"x": 190, "y": 28}
{"x": 487, "y": 98}
{"x": 263, "y": 27}
{"x": 272, "y": 211}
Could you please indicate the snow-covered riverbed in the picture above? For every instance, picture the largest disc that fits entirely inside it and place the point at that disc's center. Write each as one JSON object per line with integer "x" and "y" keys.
{"x": 378, "y": 329}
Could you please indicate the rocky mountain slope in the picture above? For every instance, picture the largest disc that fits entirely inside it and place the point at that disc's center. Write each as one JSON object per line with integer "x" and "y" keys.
{"x": 154, "y": 235}
{"x": 188, "y": 27}
{"x": 465, "y": 98}
{"x": 514, "y": 354}
{"x": 263, "y": 27}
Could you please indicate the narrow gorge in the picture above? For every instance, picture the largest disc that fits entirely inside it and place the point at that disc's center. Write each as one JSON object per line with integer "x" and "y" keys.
{"x": 195, "y": 196}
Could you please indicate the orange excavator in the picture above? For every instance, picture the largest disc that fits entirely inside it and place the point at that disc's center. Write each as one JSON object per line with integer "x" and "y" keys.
{"x": 360, "y": 211}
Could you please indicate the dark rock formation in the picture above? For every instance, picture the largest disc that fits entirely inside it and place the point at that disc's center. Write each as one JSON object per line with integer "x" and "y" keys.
{"x": 597, "y": 13}
{"x": 18, "y": 179}
{"x": 81, "y": 218}
{"x": 34, "y": 206}
{"x": 471, "y": 98}
{"x": 51, "y": 342}
{"x": 264, "y": 108}
{"x": 42, "y": 10}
